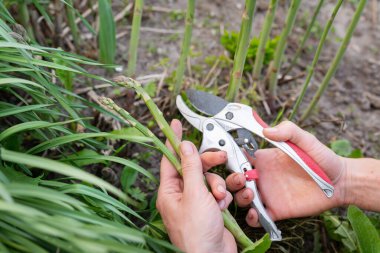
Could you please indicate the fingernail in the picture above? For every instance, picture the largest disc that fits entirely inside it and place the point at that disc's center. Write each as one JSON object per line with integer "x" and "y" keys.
{"x": 222, "y": 203}
{"x": 271, "y": 130}
{"x": 186, "y": 148}
{"x": 221, "y": 189}
{"x": 250, "y": 216}
{"x": 237, "y": 179}
{"x": 245, "y": 194}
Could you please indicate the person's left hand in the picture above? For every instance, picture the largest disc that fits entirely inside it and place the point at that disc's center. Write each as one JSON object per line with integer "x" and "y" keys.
{"x": 191, "y": 214}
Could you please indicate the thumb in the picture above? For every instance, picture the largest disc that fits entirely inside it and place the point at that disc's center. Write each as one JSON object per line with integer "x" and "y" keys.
{"x": 191, "y": 167}
{"x": 288, "y": 131}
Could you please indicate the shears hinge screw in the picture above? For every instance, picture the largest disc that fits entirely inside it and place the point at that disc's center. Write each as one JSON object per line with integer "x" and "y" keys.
{"x": 229, "y": 115}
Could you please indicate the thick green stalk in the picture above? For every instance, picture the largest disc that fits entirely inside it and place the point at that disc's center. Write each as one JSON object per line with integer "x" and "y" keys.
{"x": 135, "y": 36}
{"x": 185, "y": 48}
{"x": 311, "y": 68}
{"x": 71, "y": 21}
{"x": 264, "y": 36}
{"x": 25, "y": 19}
{"x": 280, "y": 49}
{"x": 157, "y": 114}
{"x": 305, "y": 38}
{"x": 232, "y": 226}
{"x": 338, "y": 57}
{"x": 241, "y": 51}
{"x": 145, "y": 131}
{"x": 229, "y": 221}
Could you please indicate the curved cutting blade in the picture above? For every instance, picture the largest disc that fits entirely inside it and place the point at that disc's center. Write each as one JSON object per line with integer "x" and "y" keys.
{"x": 206, "y": 102}
{"x": 193, "y": 118}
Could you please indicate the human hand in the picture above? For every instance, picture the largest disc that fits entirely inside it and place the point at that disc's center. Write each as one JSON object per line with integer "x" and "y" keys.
{"x": 285, "y": 188}
{"x": 191, "y": 214}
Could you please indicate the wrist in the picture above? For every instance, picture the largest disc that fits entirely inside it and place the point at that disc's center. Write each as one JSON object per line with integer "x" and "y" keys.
{"x": 361, "y": 183}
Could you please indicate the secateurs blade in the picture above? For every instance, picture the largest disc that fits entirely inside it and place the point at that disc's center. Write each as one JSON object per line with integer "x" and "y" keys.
{"x": 226, "y": 118}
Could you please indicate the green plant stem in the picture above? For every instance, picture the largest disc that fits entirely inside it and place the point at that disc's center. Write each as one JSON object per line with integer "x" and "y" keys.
{"x": 305, "y": 38}
{"x": 25, "y": 19}
{"x": 157, "y": 114}
{"x": 71, "y": 21}
{"x": 264, "y": 36}
{"x": 311, "y": 68}
{"x": 185, "y": 48}
{"x": 229, "y": 221}
{"x": 135, "y": 36}
{"x": 280, "y": 49}
{"x": 145, "y": 131}
{"x": 338, "y": 57}
{"x": 241, "y": 51}
{"x": 232, "y": 226}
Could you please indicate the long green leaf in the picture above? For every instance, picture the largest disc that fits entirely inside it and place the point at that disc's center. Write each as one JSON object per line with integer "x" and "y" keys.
{"x": 107, "y": 33}
{"x": 368, "y": 238}
{"x": 16, "y": 110}
{"x": 81, "y": 136}
{"x": 58, "y": 167}
{"x": 119, "y": 160}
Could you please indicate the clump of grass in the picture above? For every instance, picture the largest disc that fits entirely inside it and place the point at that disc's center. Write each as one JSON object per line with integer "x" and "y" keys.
{"x": 229, "y": 41}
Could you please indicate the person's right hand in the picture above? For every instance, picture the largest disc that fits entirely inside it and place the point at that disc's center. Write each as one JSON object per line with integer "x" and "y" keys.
{"x": 286, "y": 189}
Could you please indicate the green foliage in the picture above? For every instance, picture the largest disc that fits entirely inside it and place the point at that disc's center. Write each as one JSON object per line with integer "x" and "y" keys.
{"x": 367, "y": 237}
{"x": 229, "y": 41}
{"x": 343, "y": 148}
{"x": 356, "y": 232}
{"x": 48, "y": 201}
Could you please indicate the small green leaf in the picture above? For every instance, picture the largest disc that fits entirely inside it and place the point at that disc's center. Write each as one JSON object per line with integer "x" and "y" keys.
{"x": 128, "y": 177}
{"x": 368, "y": 238}
{"x": 151, "y": 88}
{"x": 342, "y": 147}
{"x": 356, "y": 153}
{"x": 260, "y": 246}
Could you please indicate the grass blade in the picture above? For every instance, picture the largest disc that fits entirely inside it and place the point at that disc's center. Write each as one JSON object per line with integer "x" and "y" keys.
{"x": 58, "y": 167}
{"x": 107, "y": 33}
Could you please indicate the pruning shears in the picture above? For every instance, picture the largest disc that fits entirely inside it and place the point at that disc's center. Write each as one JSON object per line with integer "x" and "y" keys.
{"x": 226, "y": 118}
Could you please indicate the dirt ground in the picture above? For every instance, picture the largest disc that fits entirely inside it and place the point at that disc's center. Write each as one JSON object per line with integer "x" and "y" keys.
{"x": 350, "y": 107}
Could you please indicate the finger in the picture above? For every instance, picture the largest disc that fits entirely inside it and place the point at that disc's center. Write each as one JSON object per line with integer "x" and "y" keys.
{"x": 212, "y": 159}
{"x": 224, "y": 203}
{"x": 167, "y": 171}
{"x": 288, "y": 131}
{"x": 252, "y": 218}
{"x": 217, "y": 185}
{"x": 191, "y": 168}
{"x": 235, "y": 182}
{"x": 244, "y": 197}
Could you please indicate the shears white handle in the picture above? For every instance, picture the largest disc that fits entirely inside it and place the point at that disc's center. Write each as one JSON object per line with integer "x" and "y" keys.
{"x": 216, "y": 138}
